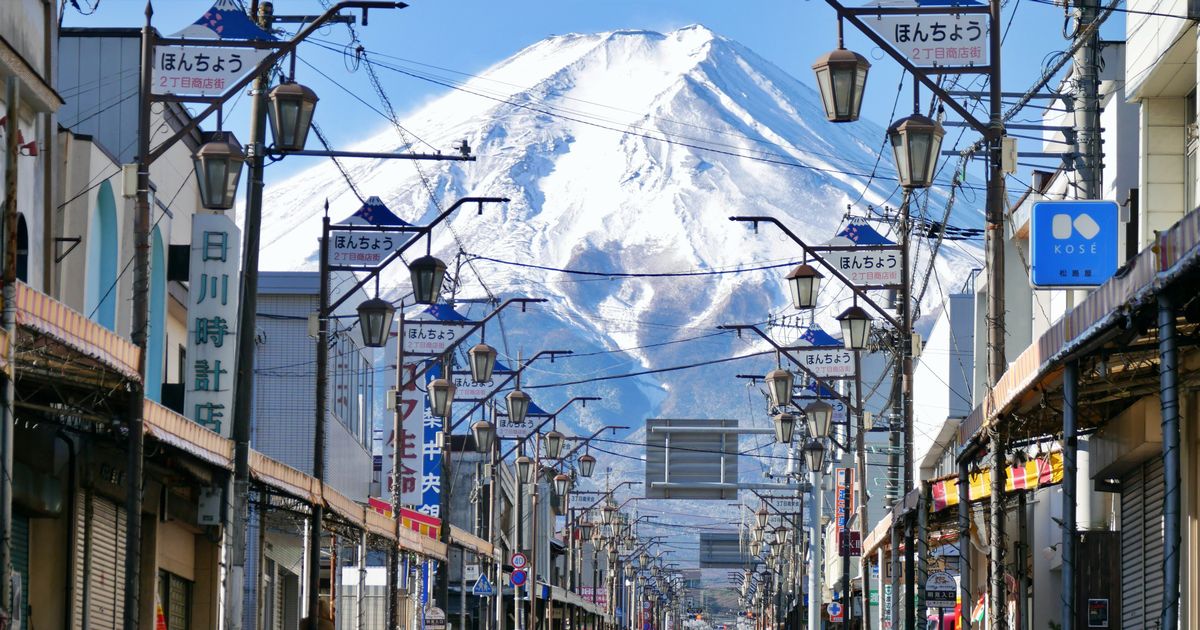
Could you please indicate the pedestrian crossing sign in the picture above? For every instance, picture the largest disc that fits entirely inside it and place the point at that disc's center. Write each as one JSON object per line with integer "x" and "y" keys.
{"x": 483, "y": 587}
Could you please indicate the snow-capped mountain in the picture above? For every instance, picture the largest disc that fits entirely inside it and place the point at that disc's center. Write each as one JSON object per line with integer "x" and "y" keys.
{"x": 621, "y": 152}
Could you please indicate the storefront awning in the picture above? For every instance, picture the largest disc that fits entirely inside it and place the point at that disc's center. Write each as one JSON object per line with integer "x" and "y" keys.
{"x": 61, "y": 328}
{"x": 461, "y": 538}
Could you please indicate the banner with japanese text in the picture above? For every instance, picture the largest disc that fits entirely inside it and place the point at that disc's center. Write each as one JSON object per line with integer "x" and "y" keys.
{"x": 212, "y": 320}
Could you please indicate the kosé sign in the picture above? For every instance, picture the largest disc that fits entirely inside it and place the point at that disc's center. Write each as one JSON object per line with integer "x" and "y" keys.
{"x": 1073, "y": 243}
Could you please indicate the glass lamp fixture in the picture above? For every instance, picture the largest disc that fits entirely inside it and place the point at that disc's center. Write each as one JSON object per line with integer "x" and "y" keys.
{"x": 803, "y": 282}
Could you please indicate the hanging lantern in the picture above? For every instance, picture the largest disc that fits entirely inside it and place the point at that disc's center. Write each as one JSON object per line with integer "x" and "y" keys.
{"x": 427, "y": 275}
{"x": 856, "y": 327}
{"x": 761, "y": 515}
{"x": 803, "y": 282}
{"x": 587, "y": 464}
{"x": 218, "y": 166}
{"x": 518, "y": 406}
{"x": 485, "y": 434}
{"x": 916, "y": 142}
{"x": 375, "y": 321}
{"x": 756, "y": 534}
{"x": 441, "y": 394}
{"x": 785, "y": 425}
{"x": 820, "y": 416}
{"x": 554, "y": 444}
{"x": 779, "y": 386}
{"x": 562, "y": 484}
{"x": 585, "y": 530}
{"x": 291, "y": 113}
{"x": 524, "y": 469}
{"x": 841, "y": 79}
{"x": 610, "y": 514}
{"x": 814, "y": 454}
{"x": 482, "y": 358}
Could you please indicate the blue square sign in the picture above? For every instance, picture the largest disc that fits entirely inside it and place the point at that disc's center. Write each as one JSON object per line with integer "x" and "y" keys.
{"x": 1073, "y": 243}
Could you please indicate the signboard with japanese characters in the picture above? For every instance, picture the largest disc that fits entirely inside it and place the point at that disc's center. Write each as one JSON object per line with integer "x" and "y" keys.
{"x": 428, "y": 338}
{"x": 468, "y": 391}
{"x": 421, "y": 459}
{"x": 827, "y": 358}
{"x": 201, "y": 70}
{"x": 843, "y": 500}
{"x": 359, "y": 249}
{"x": 212, "y": 321}
{"x": 930, "y": 40}
{"x": 411, "y": 406}
{"x": 864, "y": 256}
{"x": 506, "y": 428}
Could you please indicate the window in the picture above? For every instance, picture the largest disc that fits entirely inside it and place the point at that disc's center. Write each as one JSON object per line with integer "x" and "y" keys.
{"x": 1189, "y": 164}
{"x": 174, "y": 601}
{"x": 22, "y": 249}
{"x": 1131, "y": 228}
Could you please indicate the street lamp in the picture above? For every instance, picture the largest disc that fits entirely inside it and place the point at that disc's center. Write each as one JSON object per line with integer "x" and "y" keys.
{"x": 856, "y": 324}
{"x": 562, "y": 484}
{"x": 820, "y": 415}
{"x": 761, "y": 515}
{"x": 785, "y": 425}
{"x": 610, "y": 515}
{"x": 291, "y": 112}
{"x": 554, "y": 443}
{"x": 218, "y": 165}
{"x": 585, "y": 530}
{"x": 841, "y": 78}
{"x": 814, "y": 454}
{"x": 524, "y": 466}
{"x": 482, "y": 358}
{"x": 485, "y": 434}
{"x": 441, "y": 394}
{"x": 916, "y": 141}
{"x": 779, "y": 385}
{"x": 518, "y": 406}
{"x": 375, "y": 321}
{"x": 803, "y": 282}
{"x": 587, "y": 464}
{"x": 756, "y": 534}
{"x": 427, "y": 274}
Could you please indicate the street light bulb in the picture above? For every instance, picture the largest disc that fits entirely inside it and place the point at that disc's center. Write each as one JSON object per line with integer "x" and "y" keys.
{"x": 482, "y": 358}
{"x": 218, "y": 166}
{"x": 485, "y": 434}
{"x": 562, "y": 484}
{"x": 779, "y": 386}
{"x": 916, "y": 142}
{"x": 427, "y": 275}
{"x": 820, "y": 416}
{"x": 290, "y": 113}
{"x": 785, "y": 425}
{"x": 518, "y": 406}
{"x": 841, "y": 79}
{"x": 814, "y": 454}
{"x": 587, "y": 464}
{"x": 803, "y": 282}
{"x": 856, "y": 327}
{"x": 375, "y": 321}
{"x": 761, "y": 515}
{"x": 554, "y": 444}
{"x": 524, "y": 469}
{"x": 441, "y": 394}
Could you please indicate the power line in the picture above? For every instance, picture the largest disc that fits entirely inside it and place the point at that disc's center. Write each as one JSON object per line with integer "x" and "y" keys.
{"x": 622, "y": 274}
{"x": 673, "y": 368}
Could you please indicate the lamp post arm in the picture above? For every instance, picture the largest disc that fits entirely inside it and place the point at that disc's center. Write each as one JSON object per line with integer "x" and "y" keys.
{"x": 858, "y": 292}
{"x": 420, "y": 231}
{"x": 583, "y": 441}
{"x": 267, "y": 62}
{"x": 548, "y": 419}
{"x": 790, "y": 357}
{"x": 512, "y": 375}
{"x": 428, "y": 365}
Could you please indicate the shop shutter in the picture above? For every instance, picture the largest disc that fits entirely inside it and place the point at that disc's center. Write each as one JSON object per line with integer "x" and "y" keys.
{"x": 1142, "y": 495}
{"x": 99, "y": 562}
{"x": 20, "y": 561}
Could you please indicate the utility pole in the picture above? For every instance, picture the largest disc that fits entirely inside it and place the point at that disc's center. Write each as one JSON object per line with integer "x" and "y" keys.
{"x": 1086, "y": 68}
{"x": 12, "y": 151}
{"x": 243, "y": 402}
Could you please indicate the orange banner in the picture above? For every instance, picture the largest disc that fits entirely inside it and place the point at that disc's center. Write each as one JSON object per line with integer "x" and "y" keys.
{"x": 1046, "y": 470}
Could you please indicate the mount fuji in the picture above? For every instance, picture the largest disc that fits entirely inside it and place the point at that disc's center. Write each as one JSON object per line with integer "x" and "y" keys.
{"x": 622, "y": 153}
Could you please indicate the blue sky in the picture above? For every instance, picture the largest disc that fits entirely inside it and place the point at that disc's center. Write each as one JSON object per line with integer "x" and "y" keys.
{"x": 469, "y": 35}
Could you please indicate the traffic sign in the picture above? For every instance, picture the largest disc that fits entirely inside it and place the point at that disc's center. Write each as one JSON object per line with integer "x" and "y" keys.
{"x": 483, "y": 587}
{"x": 519, "y": 560}
{"x": 1073, "y": 243}
{"x": 835, "y": 611}
{"x": 941, "y": 590}
{"x": 435, "y": 618}
{"x": 517, "y": 578}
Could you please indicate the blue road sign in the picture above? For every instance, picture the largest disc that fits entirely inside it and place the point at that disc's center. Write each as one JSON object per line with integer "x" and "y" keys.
{"x": 517, "y": 578}
{"x": 483, "y": 587}
{"x": 1073, "y": 243}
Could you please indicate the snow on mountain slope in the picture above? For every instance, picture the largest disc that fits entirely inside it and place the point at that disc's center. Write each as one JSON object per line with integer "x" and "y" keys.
{"x": 572, "y": 130}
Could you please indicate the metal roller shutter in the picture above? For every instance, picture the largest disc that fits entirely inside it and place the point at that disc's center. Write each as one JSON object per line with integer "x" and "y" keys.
{"x": 99, "y": 562}
{"x": 1142, "y": 494}
{"x": 20, "y": 561}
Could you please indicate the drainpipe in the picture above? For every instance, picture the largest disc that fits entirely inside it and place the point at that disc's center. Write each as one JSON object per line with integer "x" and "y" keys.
{"x": 1168, "y": 366}
{"x": 964, "y": 539}
{"x": 1070, "y": 452}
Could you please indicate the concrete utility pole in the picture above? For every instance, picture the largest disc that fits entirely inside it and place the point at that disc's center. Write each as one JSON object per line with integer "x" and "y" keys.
{"x": 12, "y": 152}
{"x": 1086, "y": 69}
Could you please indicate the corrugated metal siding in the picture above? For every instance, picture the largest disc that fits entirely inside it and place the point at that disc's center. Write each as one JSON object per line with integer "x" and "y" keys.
{"x": 20, "y": 561}
{"x": 1142, "y": 494}
{"x": 98, "y": 80}
{"x": 99, "y": 562}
